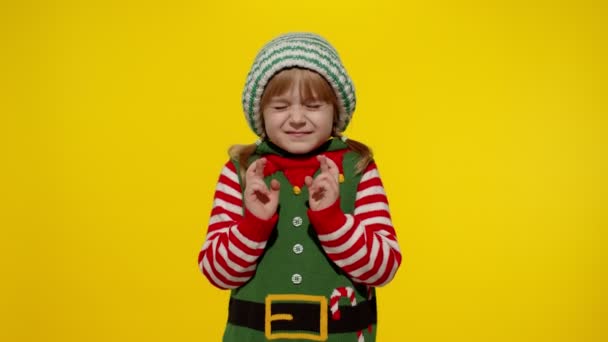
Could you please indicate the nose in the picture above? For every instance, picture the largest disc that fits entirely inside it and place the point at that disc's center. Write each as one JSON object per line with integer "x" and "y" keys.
{"x": 296, "y": 117}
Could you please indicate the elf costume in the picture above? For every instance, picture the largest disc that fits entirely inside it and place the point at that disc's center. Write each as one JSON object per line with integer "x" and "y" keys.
{"x": 301, "y": 275}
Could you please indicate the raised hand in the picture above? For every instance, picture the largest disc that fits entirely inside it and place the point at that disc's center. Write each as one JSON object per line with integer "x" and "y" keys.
{"x": 260, "y": 200}
{"x": 324, "y": 190}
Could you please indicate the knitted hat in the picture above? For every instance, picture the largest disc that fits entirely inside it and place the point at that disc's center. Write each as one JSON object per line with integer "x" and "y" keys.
{"x": 304, "y": 50}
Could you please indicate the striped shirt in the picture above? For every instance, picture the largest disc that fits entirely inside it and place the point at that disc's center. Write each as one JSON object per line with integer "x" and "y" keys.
{"x": 363, "y": 244}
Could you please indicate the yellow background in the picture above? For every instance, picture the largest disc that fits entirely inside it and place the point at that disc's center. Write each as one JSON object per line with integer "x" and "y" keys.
{"x": 488, "y": 121}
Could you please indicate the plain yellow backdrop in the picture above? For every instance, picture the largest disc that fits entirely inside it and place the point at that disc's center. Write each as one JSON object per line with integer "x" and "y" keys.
{"x": 488, "y": 122}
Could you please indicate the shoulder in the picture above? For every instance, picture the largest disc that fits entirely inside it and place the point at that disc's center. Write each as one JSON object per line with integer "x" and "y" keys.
{"x": 230, "y": 171}
{"x": 370, "y": 172}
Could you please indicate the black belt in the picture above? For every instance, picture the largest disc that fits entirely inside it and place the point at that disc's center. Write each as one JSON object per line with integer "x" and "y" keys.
{"x": 305, "y": 316}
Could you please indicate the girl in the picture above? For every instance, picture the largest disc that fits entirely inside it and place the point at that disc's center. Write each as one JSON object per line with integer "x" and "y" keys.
{"x": 300, "y": 229}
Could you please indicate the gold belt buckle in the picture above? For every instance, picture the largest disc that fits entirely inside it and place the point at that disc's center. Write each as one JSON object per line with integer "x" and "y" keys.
{"x": 321, "y": 300}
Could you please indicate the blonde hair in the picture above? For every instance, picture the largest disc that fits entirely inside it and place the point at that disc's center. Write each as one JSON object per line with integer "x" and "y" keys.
{"x": 312, "y": 86}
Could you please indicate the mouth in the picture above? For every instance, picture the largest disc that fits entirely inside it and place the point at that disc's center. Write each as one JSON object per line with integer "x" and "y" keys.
{"x": 297, "y": 133}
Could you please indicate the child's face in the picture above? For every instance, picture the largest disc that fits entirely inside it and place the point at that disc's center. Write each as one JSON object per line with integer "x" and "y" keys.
{"x": 295, "y": 124}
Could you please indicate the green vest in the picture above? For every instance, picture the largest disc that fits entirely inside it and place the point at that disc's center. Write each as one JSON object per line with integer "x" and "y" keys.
{"x": 294, "y": 261}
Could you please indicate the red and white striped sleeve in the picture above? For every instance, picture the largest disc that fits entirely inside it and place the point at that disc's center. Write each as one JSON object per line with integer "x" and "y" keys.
{"x": 235, "y": 237}
{"x": 363, "y": 244}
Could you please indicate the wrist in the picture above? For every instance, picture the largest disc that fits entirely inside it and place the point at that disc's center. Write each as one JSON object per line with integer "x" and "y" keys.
{"x": 328, "y": 219}
{"x": 255, "y": 228}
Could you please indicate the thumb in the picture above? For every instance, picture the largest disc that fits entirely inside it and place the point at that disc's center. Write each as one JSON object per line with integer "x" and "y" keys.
{"x": 275, "y": 185}
{"x": 308, "y": 181}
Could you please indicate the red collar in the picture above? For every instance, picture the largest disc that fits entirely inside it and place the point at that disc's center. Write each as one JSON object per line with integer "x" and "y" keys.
{"x": 296, "y": 169}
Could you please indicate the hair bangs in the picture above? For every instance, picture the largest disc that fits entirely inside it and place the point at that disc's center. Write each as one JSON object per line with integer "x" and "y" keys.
{"x": 313, "y": 87}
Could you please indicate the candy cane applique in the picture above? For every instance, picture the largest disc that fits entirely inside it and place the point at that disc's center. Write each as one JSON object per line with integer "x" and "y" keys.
{"x": 349, "y": 293}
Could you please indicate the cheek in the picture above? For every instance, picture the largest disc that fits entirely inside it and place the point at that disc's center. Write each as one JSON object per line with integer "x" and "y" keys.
{"x": 327, "y": 121}
{"x": 273, "y": 120}
{"x": 267, "y": 119}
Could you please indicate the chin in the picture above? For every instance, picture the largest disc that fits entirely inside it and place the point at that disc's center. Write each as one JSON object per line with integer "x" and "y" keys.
{"x": 292, "y": 148}
{"x": 296, "y": 148}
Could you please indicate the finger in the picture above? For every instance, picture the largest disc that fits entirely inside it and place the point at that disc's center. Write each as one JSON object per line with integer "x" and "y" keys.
{"x": 327, "y": 178}
{"x": 328, "y": 183}
{"x": 251, "y": 170}
{"x": 323, "y": 162}
{"x": 257, "y": 187}
{"x": 308, "y": 181}
{"x": 333, "y": 168}
{"x": 257, "y": 193}
{"x": 275, "y": 185}
{"x": 273, "y": 194}
{"x": 259, "y": 169}
{"x": 312, "y": 187}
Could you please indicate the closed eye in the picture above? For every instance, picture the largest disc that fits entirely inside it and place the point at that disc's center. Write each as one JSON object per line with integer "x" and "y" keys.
{"x": 281, "y": 107}
{"x": 313, "y": 105}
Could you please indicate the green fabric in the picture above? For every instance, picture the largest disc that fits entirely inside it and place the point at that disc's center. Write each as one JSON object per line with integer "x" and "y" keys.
{"x": 279, "y": 263}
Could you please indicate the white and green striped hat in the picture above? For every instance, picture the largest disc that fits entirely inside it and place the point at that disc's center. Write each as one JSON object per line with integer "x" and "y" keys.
{"x": 305, "y": 50}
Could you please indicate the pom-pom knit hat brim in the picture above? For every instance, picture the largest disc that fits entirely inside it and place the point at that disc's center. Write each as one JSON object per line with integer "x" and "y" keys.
{"x": 304, "y": 50}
